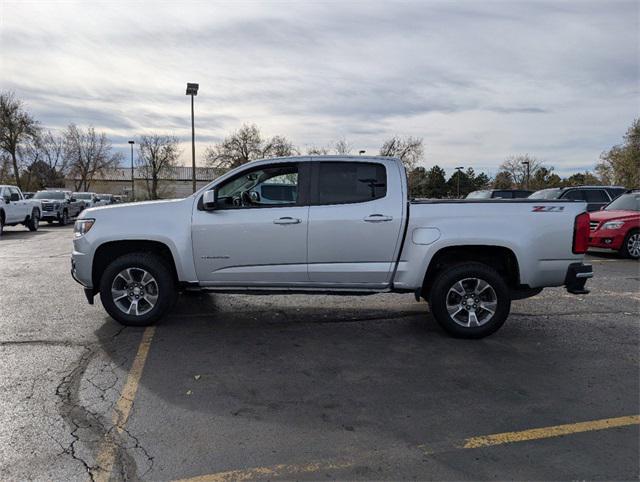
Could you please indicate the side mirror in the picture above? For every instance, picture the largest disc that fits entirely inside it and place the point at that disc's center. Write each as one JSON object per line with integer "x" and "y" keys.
{"x": 602, "y": 207}
{"x": 14, "y": 197}
{"x": 7, "y": 199}
{"x": 209, "y": 200}
{"x": 72, "y": 200}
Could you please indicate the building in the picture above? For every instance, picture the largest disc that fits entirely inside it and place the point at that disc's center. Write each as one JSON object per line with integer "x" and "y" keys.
{"x": 174, "y": 183}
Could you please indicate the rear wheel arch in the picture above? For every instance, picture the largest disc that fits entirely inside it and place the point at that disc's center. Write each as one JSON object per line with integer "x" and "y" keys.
{"x": 500, "y": 258}
{"x": 109, "y": 251}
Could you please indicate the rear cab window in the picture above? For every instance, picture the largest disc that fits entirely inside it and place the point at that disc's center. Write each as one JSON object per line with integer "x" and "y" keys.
{"x": 349, "y": 182}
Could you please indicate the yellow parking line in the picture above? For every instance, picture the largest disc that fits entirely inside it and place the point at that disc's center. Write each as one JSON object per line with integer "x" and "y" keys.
{"x": 292, "y": 470}
{"x": 282, "y": 470}
{"x": 108, "y": 447}
{"x": 549, "y": 432}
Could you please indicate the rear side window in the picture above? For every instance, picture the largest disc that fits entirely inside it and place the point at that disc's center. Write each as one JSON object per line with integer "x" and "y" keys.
{"x": 351, "y": 182}
{"x": 596, "y": 196}
{"x": 574, "y": 194}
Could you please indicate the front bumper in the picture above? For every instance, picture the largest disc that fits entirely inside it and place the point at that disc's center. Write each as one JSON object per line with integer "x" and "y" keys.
{"x": 577, "y": 276}
{"x": 50, "y": 215}
{"x": 606, "y": 239}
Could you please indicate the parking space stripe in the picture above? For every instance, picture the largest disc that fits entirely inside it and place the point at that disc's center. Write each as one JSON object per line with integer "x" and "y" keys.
{"x": 292, "y": 470}
{"x": 549, "y": 432}
{"x": 122, "y": 410}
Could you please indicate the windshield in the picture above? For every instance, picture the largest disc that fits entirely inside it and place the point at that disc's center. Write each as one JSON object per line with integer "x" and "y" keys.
{"x": 82, "y": 195}
{"x": 479, "y": 195}
{"x": 49, "y": 195}
{"x": 626, "y": 202}
{"x": 546, "y": 194}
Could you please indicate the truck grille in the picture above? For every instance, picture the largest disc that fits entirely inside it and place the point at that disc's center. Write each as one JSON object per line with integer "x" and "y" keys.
{"x": 593, "y": 225}
{"x": 47, "y": 207}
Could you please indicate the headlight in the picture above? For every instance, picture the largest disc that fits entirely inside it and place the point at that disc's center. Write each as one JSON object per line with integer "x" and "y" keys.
{"x": 612, "y": 225}
{"x": 82, "y": 227}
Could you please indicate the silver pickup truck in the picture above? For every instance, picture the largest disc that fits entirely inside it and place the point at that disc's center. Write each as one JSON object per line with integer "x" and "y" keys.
{"x": 331, "y": 224}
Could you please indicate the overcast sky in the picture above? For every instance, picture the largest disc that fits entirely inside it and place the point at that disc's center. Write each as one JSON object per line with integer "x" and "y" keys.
{"x": 477, "y": 80}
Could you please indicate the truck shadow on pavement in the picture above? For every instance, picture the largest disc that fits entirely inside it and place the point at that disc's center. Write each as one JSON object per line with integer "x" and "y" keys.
{"x": 266, "y": 374}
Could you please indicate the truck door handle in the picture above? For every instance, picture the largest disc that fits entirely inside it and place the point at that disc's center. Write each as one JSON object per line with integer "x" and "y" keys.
{"x": 287, "y": 220}
{"x": 377, "y": 218}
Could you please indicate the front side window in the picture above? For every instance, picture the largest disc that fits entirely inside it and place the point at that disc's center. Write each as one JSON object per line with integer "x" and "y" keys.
{"x": 351, "y": 182}
{"x": 270, "y": 186}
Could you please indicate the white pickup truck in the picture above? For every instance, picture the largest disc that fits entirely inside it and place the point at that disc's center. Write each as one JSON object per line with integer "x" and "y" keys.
{"x": 331, "y": 224}
{"x": 16, "y": 209}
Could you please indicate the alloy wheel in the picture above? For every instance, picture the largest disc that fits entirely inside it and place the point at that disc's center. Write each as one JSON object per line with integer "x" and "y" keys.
{"x": 471, "y": 302}
{"x": 134, "y": 291}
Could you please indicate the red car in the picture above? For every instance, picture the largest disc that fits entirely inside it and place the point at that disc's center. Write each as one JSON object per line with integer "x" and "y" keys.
{"x": 617, "y": 226}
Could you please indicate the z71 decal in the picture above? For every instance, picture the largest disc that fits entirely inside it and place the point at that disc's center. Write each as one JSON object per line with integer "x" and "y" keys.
{"x": 547, "y": 209}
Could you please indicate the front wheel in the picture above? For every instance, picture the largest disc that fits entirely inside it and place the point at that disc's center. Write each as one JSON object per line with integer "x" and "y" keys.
{"x": 34, "y": 221}
{"x": 631, "y": 246}
{"x": 470, "y": 300}
{"x": 137, "y": 289}
{"x": 64, "y": 220}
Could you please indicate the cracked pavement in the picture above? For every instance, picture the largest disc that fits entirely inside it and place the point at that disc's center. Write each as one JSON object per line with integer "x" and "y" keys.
{"x": 235, "y": 382}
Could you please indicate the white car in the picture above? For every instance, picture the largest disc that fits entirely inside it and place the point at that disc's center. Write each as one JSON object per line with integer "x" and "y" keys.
{"x": 15, "y": 209}
{"x": 90, "y": 199}
{"x": 345, "y": 227}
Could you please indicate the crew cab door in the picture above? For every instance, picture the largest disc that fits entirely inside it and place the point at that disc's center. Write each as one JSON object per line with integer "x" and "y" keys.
{"x": 355, "y": 222}
{"x": 251, "y": 240}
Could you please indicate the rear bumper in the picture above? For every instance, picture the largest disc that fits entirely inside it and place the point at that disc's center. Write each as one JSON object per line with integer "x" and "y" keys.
{"x": 577, "y": 276}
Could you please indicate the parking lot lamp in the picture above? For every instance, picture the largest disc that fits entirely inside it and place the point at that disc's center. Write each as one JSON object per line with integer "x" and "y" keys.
{"x": 133, "y": 189}
{"x": 192, "y": 90}
{"x": 528, "y": 164}
{"x": 459, "y": 169}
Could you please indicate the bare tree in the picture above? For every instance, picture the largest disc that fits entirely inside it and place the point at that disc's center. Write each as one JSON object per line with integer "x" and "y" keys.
{"x": 342, "y": 147}
{"x": 88, "y": 154}
{"x": 43, "y": 161}
{"x": 240, "y": 147}
{"x": 317, "y": 151}
{"x": 16, "y": 128}
{"x": 408, "y": 149}
{"x": 279, "y": 146}
{"x": 516, "y": 166}
{"x": 157, "y": 156}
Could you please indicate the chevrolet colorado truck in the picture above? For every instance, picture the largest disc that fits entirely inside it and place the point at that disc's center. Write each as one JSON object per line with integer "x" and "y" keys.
{"x": 332, "y": 225}
{"x": 16, "y": 209}
{"x": 59, "y": 206}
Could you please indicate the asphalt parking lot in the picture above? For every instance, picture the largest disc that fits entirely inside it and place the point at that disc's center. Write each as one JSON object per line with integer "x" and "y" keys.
{"x": 240, "y": 388}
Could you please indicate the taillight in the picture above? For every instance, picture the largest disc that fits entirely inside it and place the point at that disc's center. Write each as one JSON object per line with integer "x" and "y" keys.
{"x": 581, "y": 234}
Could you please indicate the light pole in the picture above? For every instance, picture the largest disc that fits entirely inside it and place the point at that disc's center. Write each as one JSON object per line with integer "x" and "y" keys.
{"x": 459, "y": 169}
{"x": 528, "y": 164}
{"x": 192, "y": 90}
{"x": 133, "y": 189}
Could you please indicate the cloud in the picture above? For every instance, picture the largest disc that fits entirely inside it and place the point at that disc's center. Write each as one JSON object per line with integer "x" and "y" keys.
{"x": 477, "y": 80}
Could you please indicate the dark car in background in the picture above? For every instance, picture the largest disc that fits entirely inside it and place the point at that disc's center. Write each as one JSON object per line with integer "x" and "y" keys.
{"x": 499, "y": 194}
{"x": 596, "y": 197}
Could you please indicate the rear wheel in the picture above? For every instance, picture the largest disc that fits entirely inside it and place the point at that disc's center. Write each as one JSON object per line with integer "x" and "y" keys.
{"x": 470, "y": 300}
{"x": 631, "y": 246}
{"x": 1, "y": 223}
{"x": 34, "y": 221}
{"x": 137, "y": 289}
{"x": 64, "y": 219}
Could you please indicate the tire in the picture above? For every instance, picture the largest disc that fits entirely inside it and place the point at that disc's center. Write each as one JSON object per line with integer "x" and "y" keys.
{"x": 34, "y": 221}
{"x": 1, "y": 223}
{"x": 462, "y": 298}
{"x": 136, "y": 291}
{"x": 631, "y": 246}
{"x": 64, "y": 220}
